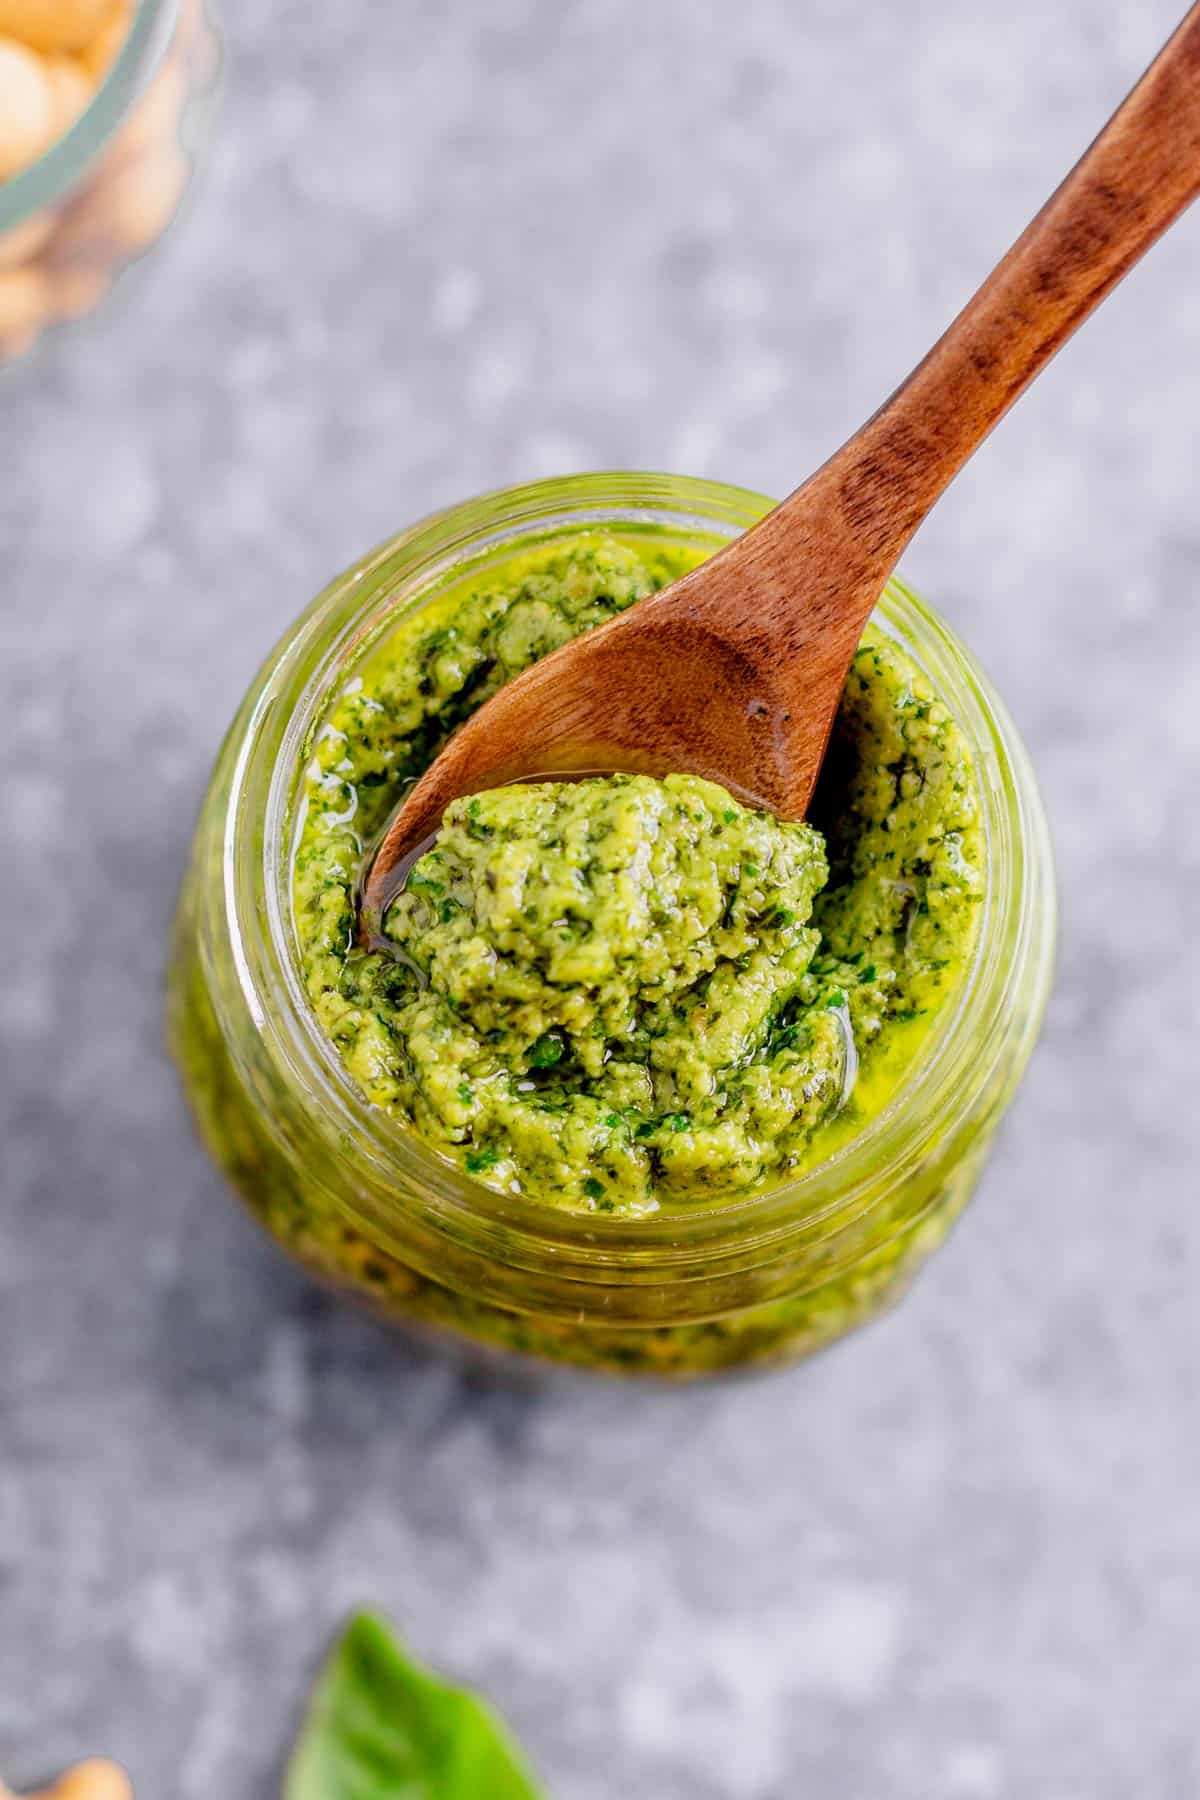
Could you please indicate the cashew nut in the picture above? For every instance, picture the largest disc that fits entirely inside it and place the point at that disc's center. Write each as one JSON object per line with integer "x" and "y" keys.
{"x": 91, "y": 1780}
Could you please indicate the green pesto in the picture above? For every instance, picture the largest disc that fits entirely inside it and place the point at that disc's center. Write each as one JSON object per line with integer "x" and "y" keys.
{"x": 625, "y": 994}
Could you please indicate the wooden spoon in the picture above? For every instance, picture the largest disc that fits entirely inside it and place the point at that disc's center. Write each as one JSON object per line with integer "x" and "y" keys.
{"x": 735, "y": 671}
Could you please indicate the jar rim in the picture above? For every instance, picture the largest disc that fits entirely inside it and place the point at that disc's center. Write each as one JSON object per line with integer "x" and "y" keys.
{"x": 932, "y": 1103}
{"x": 59, "y": 169}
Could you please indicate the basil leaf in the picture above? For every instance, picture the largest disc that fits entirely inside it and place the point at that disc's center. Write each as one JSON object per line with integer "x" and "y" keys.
{"x": 379, "y": 1726}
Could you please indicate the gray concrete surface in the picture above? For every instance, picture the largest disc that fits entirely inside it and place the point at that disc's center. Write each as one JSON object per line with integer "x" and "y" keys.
{"x": 440, "y": 249}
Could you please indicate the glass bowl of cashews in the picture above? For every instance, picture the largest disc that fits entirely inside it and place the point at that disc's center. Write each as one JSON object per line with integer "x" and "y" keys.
{"x": 102, "y": 109}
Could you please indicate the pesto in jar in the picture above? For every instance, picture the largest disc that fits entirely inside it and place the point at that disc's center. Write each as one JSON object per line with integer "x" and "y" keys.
{"x": 623, "y": 994}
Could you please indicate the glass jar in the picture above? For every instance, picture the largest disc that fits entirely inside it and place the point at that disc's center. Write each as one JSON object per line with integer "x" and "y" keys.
{"x": 367, "y": 1206}
{"x": 107, "y": 189}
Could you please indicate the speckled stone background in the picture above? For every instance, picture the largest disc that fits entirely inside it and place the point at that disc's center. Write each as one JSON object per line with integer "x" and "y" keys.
{"x": 440, "y": 248}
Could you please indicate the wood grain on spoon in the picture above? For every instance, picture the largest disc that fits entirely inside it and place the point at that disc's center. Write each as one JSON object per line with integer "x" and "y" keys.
{"x": 735, "y": 671}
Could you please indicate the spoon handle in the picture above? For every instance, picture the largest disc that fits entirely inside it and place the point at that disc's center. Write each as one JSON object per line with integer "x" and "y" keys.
{"x": 1137, "y": 177}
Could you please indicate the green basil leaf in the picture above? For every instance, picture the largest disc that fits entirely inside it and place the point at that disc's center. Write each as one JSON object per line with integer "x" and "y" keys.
{"x": 379, "y": 1726}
